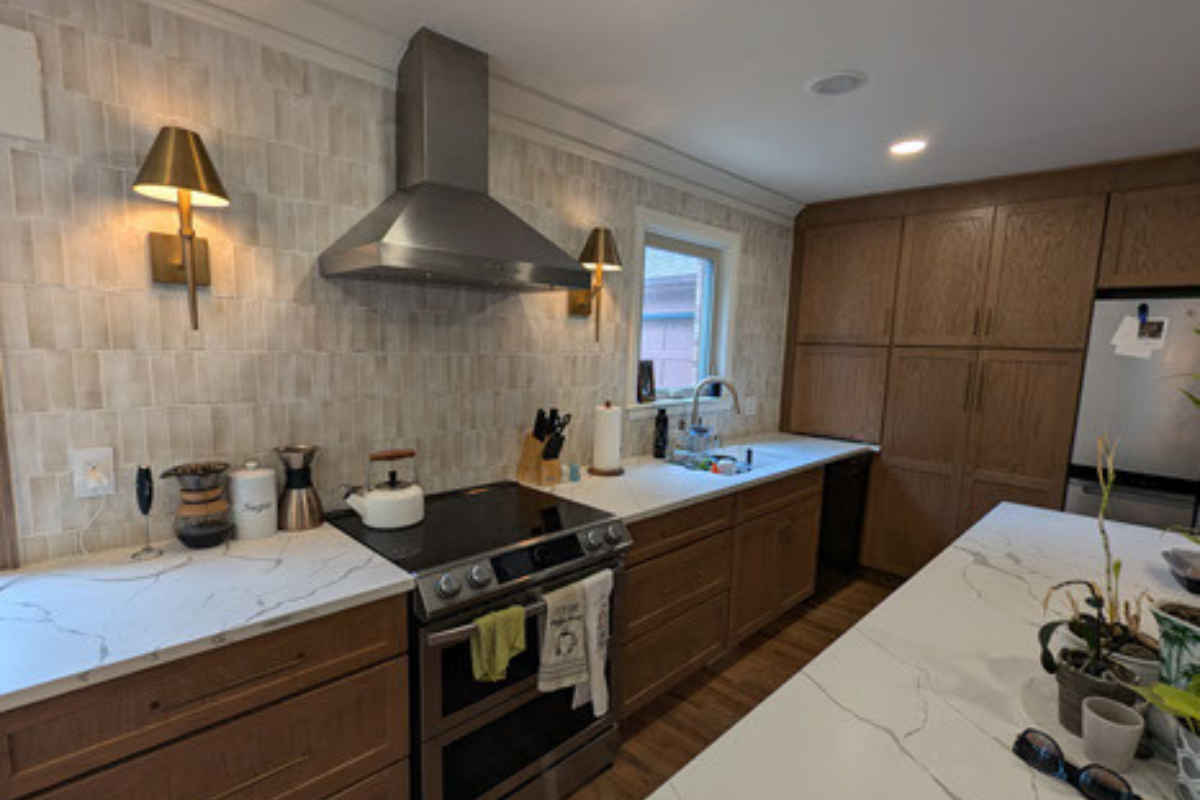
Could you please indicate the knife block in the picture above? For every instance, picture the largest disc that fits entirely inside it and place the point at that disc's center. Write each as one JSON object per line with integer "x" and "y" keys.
{"x": 549, "y": 472}
{"x": 529, "y": 468}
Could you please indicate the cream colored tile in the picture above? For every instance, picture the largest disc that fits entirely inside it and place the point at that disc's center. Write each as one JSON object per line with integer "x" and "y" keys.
{"x": 89, "y": 393}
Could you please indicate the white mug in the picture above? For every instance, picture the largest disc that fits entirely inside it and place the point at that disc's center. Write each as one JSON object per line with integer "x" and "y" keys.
{"x": 1111, "y": 732}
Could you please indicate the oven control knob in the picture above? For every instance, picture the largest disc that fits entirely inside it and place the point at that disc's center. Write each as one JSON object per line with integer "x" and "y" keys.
{"x": 594, "y": 539}
{"x": 613, "y": 535}
{"x": 479, "y": 575}
{"x": 447, "y": 586}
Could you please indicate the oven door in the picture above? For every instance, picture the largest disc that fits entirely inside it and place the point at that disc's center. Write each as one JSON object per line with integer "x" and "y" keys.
{"x": 483, "y": 740}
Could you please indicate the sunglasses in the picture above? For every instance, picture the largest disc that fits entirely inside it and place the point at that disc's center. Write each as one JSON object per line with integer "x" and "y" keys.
{"x": 1094, "y": 782}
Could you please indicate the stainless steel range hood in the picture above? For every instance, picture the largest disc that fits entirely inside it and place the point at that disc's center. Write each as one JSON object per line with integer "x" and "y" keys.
{"x": 441, "y": 225}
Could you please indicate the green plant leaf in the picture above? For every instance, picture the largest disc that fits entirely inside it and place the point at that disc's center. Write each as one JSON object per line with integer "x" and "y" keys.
{"x": 1181, "y": 703}
{"x": 1045, "y": 634}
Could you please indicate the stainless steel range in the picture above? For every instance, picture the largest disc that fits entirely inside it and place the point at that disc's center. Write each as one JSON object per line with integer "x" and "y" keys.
{"x": 476, "y": 551}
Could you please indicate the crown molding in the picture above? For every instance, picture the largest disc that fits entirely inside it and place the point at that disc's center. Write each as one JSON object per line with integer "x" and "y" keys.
{"x": 313, "y": 32}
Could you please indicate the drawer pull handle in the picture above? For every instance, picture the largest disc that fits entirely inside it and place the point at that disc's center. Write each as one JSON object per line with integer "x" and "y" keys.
{"x": 292, "y": 663}
{"x": 271, "y": 773}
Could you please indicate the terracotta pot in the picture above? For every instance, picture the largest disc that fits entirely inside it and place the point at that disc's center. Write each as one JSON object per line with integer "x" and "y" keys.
{"x": 1074, "y": 685}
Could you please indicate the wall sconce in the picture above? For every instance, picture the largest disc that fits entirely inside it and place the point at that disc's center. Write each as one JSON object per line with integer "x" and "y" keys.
{"x": 178, "y": 170}
{"x": 598, "y": 255}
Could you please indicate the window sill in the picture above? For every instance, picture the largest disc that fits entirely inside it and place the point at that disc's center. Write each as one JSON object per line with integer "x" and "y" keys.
{"x": 640, "y": 411}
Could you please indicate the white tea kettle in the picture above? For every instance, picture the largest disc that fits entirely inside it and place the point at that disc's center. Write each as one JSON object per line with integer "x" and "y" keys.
{"x": 393, "y": 503}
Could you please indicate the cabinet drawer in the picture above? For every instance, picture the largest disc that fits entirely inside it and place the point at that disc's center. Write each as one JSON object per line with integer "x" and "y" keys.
{"x": 391, "y": 784}
{"x": 60, "y": 738}
{"x": 767, "y": 497}
{"x": 659, "y": 659}
{"x": 305, "y": 748}
{"x": 657, "y": 535}
{"x": 664, "y": 587}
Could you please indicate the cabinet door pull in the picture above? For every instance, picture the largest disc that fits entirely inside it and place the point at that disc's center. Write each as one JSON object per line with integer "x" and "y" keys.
{"x": 263, "y": 776}
{"x": 987, "y": 322}
{"x": 970, "y": 386}
{"x": 975, "y": 322}
{"x": 979, "y": 389}
{"x": 293, "y": 662}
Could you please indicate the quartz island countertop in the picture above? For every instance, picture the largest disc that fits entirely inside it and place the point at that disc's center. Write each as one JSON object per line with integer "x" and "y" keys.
{"x": 924, "y": 696}
{"x": 652, "y": 486}
{"x": 76, "y": 622}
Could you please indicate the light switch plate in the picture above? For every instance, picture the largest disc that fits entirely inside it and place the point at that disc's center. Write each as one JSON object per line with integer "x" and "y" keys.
{"x": 92, "y": 471}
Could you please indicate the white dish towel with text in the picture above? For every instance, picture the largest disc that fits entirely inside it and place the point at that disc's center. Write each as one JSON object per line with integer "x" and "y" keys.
{"x": 564, "y": 652}
{"x": 575, "y": 641}
{"x": 597, "y": 589}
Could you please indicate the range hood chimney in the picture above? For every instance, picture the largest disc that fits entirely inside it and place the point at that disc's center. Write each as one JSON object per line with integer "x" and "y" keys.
{"x": 441, "y": 225}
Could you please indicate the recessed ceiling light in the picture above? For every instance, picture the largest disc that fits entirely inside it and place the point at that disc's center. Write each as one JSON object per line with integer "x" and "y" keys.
{"x": 908, "y": 147}
{"x": 836, "y": 83}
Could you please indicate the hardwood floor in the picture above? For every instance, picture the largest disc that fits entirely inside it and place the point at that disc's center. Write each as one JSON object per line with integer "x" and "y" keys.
{"x": 672, "y": 730}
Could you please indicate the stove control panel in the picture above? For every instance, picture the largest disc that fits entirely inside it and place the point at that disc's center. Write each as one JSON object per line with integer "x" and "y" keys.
{"x": 467, "y": 582}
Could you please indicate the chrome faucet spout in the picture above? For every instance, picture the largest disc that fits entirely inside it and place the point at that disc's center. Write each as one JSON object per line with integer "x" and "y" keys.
{"x": 711, "y": 379}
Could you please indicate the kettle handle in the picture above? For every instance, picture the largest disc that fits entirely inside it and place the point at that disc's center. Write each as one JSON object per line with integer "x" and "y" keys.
{"x": 393, "y": 455}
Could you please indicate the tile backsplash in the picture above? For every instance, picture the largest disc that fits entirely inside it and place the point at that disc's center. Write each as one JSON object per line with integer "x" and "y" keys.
{"x": 94, "y": 355}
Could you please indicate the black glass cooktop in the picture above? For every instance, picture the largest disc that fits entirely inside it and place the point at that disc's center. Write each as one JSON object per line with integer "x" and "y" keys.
{"x": 470, "y": 522}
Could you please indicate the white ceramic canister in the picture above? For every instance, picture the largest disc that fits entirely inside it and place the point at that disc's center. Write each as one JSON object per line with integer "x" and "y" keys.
{"x": 252, "y": 494}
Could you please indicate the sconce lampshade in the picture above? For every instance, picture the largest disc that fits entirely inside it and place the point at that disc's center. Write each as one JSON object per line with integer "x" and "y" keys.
{"x": 178, "y": 160}
{"x": 601, "y": 249}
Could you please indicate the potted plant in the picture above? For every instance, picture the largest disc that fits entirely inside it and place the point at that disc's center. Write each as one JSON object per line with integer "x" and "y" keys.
{"x": 1179, "y": 632}
{"x": 1184, "y": 706}
{"x": 1083, "y": 673}
{"x": 1105, "y": 650}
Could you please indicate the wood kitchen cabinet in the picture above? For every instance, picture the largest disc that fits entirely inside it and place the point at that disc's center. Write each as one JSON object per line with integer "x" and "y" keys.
{"x": 799, "y": 542}
{"x": 1023, "y": 409}
{"x": 1153, "y": 239}
{"x": 912, "y": 504}
{"x": 303, "y": 712}
{"x": 943, "y": 278}
{"x": 711, "y": 573}
{"x": 838, "y": 391}
{"x": 774, "y": 564}
{"x": 1042, "y": 273}
{"x": 754, "y": 598}
{"x": 966, "y": 430}
{"x": 847, "y": 283}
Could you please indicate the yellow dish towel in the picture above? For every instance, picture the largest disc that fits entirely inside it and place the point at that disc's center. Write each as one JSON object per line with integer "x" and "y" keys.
{"x": 497, "y": 639}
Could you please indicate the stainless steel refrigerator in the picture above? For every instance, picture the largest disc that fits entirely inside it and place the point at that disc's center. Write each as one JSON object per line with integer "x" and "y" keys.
{"x": 1133, "y": 392}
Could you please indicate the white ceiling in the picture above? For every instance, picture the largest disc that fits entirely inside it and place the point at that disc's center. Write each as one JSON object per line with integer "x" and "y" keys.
{"x": 998, "y": 87}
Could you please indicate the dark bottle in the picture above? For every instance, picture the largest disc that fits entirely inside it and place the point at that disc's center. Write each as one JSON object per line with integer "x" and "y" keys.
{"x": 661, "y": 433}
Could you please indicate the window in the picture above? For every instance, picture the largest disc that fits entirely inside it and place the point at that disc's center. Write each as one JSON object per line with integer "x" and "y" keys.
{"x": 678, "y": 309}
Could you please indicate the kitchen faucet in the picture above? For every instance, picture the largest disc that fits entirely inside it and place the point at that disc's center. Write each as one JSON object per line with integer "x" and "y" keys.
{"x": 737, "y": 405}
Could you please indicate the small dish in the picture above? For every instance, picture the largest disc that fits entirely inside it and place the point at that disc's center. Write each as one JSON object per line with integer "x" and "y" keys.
{"x": 1185, "y": 566}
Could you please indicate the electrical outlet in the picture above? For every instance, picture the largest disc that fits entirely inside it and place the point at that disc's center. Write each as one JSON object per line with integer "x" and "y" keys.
{"x": 92, "y": 471}
{"x": 750, "y": 407}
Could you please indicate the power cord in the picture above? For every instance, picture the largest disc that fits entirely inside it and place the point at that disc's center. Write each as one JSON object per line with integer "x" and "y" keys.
{"x": 79, "y": 537}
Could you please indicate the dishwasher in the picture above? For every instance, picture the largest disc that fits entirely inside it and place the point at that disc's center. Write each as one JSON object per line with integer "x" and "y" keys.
{"x": 842, "y": 508}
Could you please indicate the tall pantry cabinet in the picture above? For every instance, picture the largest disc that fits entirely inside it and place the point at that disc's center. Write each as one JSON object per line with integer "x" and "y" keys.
{"x": 977, "y": 353}
{"x": 948, "y": 325}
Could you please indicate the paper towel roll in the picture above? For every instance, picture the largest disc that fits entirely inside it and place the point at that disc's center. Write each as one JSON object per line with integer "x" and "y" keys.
{"x": 606, "y": 441}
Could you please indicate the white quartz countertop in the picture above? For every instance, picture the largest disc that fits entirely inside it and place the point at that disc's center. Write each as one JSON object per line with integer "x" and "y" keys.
{"x": 651, "y": 486}
{"x": 76, "y": 622}
{"x": 924, "y": 696}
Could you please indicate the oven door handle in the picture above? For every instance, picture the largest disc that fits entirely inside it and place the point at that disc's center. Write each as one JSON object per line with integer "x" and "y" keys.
{"x": 452, "y": 636}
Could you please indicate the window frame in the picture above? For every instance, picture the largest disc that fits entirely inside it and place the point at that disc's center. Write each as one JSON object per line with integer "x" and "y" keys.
{"x": 707, "y": 363}
{"x": 707, "y": 241}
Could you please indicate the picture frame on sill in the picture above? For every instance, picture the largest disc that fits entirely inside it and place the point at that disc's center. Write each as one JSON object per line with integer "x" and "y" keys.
{"x": 645, "y": 382}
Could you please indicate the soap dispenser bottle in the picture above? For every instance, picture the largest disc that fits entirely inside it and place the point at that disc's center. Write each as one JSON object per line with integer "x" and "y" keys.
{"x": 662, "y": 431}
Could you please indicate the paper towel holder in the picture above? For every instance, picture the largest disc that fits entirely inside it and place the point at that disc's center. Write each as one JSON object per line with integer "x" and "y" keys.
{"x": 606, "y": 473}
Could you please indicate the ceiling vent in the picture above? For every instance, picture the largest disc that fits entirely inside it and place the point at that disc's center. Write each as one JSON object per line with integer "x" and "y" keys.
{"x": 837, "y": 83}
